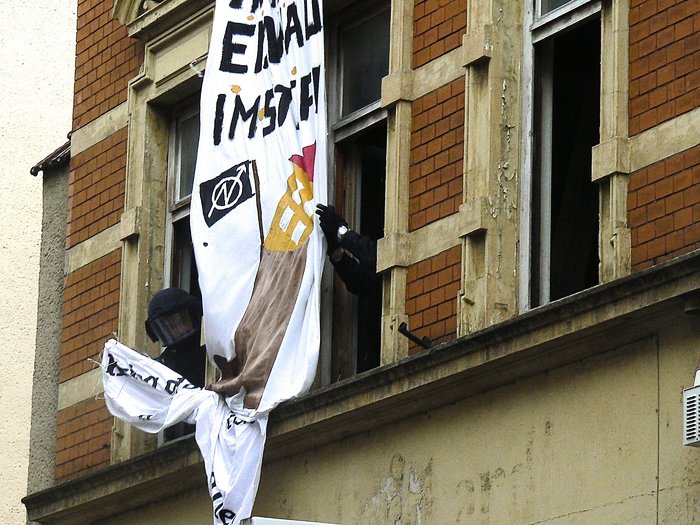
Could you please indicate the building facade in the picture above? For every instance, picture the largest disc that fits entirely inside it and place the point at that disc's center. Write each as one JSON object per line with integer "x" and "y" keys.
{"x": 531, "y": 169}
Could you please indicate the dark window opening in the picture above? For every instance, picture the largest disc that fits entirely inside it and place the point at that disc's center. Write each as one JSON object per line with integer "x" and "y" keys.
{"x": 361, "y": 189}
{"x": 565, "y": 200}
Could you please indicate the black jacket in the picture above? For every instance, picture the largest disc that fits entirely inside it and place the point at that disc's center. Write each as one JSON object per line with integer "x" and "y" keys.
{"x": 359, "y": 271}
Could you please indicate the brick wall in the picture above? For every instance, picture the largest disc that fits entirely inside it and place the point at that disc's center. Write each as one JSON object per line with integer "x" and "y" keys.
{"x": 664, "y": 209}
{"x": 90, "y": 313}
{"x": 106, "y": 59}
{"x": 432, "y": 288}
{"x": 437, "y": 154}
{"x": 664, "y": 61}
{"x": 437, "y": 28}
{"x": 96, "y": 188}
{"x": 83, "y": 437}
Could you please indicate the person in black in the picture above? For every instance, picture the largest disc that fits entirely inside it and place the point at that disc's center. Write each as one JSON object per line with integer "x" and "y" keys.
{"x": 354, "y": 256}
{"x": 175, "y": 320}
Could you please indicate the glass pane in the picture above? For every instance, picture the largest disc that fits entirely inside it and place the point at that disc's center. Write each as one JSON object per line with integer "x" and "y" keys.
{"x": 187, "y": 137}
{"x": 550, "y": 5}
{"x": 184, "y": 268}
{"x": 364, "y": 61}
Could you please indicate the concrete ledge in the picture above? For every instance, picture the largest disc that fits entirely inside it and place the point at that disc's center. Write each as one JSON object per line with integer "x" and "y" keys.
{"x": 159, "y": 19}
{"x": 392, "y": 251}
{"x": 400, "y": 250}
{"x": 78, "y": 389}
{"x": 477, "y": 45}
{"x": 665, "y": 140}
{"x": 93, "y": 248}
{"x": 473, "y": 216}
{"x": 622, "y": 155}
{"x": 99, "y": 129}
{"x": 610, "y": 157}
{"x": 590, "y": 322}
{"x": 411, "y": 84}
{"x": 104, "y": 242}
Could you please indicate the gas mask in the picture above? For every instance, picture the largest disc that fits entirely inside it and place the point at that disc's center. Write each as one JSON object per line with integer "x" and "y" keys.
{"x": 173, "y": 316}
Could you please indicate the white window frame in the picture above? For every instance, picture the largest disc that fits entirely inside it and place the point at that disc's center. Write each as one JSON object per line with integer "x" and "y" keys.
{"x": 540, "y": 29}
{"x": 176, "y": 209}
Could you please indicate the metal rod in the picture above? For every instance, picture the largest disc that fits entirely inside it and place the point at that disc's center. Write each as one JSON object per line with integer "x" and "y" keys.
{"x": 424, "y": 342}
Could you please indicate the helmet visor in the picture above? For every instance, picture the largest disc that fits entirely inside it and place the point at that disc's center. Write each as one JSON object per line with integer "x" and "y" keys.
{"x": 173, "y": 327}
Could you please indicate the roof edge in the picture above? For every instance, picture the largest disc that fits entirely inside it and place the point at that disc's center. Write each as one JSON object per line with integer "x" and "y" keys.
{"x": 56, "y": 159}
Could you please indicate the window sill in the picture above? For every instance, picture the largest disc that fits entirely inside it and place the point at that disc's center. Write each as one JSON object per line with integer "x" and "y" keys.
{"x": 540, "y": 339}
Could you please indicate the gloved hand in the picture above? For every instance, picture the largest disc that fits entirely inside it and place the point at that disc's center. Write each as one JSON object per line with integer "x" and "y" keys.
{"x": 330, "y": 221}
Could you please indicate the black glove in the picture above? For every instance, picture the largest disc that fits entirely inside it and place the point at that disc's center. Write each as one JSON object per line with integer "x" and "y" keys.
{"x": 330, "y": 221}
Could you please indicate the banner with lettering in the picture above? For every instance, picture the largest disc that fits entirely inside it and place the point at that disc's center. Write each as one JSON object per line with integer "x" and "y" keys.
{"x": 260, "y": 170}
{"x": 151, "y": 397}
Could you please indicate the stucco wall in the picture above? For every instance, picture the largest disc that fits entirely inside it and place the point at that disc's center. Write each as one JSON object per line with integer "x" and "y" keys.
{"x": 596, "y": 441}
{"x": 579, "y": 444}
{"x": 36, "y": 71}
{"x": 42, "y": 451}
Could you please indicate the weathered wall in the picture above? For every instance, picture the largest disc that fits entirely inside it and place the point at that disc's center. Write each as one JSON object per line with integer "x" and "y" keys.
{"x": 42, "y": 450}
{"x": 106, "y": 59}
{"x": 597, "y": 441}
{"x": 579, "y": 444}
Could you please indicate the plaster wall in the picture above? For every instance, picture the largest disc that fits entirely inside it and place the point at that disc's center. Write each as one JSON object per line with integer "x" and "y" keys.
{"x": 42, "y": 449}
{"x": 36, "y": 71}
{"x": 596, "y": 441}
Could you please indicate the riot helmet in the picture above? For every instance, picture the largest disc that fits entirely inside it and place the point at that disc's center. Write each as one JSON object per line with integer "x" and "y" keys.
{"x": 173, "y": 316}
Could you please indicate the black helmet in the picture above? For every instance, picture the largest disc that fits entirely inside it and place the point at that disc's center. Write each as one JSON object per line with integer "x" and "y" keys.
{"x": 173, "y": 316}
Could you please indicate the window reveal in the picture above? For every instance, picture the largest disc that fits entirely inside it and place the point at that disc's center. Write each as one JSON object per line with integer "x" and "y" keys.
{"x": 564, "y": 215}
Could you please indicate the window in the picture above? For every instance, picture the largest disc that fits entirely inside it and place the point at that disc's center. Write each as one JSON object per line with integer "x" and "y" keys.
{"x": 358, "y": 150}
{"x": 180, "y": 267}
{"x": 562, "y": 217}
{"x": 181, "y": 270}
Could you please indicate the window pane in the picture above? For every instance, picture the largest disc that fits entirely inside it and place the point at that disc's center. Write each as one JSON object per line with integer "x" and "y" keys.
{"x": 364, "y": 61}
{"x": 187, "y": 138}
{"x": 184, "y": 269}
{"x": 550, "y": 5}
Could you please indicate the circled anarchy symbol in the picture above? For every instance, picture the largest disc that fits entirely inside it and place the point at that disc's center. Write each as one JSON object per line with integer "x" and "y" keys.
{"x": 227, "y": 192}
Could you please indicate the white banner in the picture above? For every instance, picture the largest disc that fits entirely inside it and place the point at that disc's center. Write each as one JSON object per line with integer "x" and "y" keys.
{"x": 150, "y": 396}
{"x": 260, "y": 169}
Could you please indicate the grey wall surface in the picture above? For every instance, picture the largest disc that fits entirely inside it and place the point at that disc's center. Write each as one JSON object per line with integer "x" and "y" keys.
{"x": 42, "y": 449}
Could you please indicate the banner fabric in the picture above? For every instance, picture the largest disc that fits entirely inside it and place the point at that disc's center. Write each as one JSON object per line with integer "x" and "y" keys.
{"x": 260, "y": 171}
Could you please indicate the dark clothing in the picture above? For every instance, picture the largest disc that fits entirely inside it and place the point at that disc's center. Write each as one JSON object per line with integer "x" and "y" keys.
{"x": 187, "y": 360}
{"x": 359, "y": 270}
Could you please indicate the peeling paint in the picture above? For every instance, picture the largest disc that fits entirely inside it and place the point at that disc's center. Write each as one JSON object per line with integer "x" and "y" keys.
{"x": 404, "y": 497}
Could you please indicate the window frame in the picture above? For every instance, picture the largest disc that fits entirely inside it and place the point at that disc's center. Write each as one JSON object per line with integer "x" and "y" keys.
{"x": 343, "y": 183}
{"x": 177, "y": 209}
{"x": 541, "y": 28}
